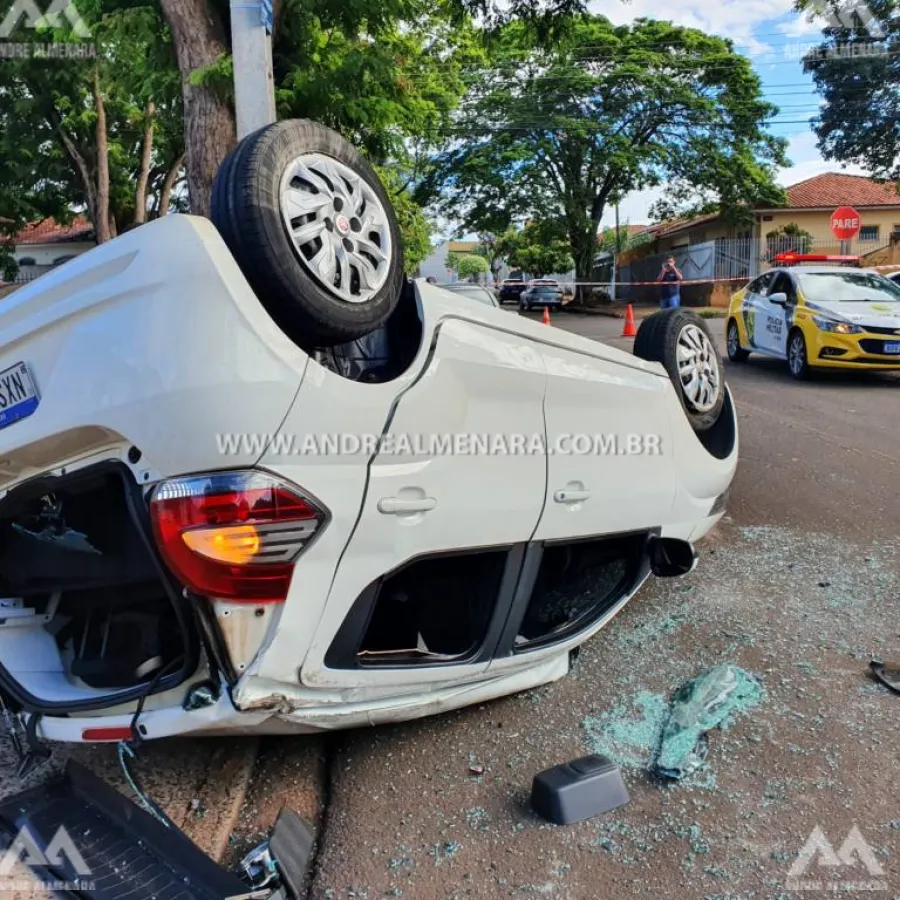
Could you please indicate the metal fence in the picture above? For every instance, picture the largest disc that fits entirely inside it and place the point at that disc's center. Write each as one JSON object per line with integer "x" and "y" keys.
{"x": 27, "y": 274}
{"x": 729, "y": 260}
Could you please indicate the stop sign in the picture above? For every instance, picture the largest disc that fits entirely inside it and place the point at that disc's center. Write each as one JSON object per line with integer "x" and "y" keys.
{"x": 845, "y": 223}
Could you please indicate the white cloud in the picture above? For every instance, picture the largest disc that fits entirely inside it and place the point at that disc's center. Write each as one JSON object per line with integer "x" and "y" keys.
{"x": 807, "y": 162}
{"x": 739, "y": 20}
{"x": 634, "y": 209}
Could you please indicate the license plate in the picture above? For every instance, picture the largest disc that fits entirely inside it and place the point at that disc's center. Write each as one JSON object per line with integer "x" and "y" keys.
{"x": 18, "y": 395}
{"x": 892, "y": 348}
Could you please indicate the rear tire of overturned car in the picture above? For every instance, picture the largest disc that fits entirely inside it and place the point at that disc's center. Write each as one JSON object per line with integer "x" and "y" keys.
{"x": 313, "y": 230}
{"x": 682, "y": 342}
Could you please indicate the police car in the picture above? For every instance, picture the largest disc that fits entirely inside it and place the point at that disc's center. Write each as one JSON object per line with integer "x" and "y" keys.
{"x": 817, "y": 312}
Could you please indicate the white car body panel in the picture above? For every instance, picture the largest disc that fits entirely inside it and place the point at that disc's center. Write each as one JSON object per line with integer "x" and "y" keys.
{"x": 156, "y": 341}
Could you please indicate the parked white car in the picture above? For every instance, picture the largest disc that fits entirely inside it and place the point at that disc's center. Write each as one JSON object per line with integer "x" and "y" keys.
{"x": 198, "y": 532}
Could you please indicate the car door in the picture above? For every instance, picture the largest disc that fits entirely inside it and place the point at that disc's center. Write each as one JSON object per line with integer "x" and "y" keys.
{"x": 752, "y": 305}
{"x": 610, "y": 460}
{"x": 771, "y": 318}
{"x": 450, "y": 487}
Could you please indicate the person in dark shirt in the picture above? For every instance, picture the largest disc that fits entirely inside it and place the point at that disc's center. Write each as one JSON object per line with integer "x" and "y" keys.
{"x": 670, "y": 278}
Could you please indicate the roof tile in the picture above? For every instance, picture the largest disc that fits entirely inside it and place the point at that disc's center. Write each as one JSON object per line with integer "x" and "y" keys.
{"x": 833, "y": 189}
{"x": 49, "y": 231}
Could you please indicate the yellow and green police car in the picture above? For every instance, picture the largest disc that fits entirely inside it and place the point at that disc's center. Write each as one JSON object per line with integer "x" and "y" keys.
{"x": 817, "y": 317}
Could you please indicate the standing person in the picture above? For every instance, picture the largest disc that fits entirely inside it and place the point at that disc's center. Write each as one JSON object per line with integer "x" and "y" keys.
{"x": 670, "y": 278}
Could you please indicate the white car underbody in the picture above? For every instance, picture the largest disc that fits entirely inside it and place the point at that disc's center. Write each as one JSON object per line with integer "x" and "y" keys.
{"x": 149, "y": 349}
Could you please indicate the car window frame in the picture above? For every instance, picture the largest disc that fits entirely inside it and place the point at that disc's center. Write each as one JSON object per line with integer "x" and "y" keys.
{"x": 789, "y": 288}
{"x": 765, "y": 281}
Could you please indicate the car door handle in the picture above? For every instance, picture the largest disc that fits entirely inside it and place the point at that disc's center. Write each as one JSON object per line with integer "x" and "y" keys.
{"x": 397, "y": 506}
{"x": 571, "y": 496}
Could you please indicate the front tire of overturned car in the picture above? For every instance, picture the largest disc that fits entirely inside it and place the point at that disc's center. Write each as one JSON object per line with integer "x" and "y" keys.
{"x": 682, "y": 342}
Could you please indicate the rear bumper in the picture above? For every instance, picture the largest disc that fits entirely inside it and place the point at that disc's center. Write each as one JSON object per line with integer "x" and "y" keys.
{"x": 224, "y": 719}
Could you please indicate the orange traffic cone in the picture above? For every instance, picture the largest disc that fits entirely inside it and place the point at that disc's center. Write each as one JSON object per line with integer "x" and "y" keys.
{"x": 546, "y": 315}
{"x": 629, "y": 330}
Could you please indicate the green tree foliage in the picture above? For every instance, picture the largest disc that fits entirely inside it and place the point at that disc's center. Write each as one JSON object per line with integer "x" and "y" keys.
{"x": 790, "y": 238}
{"x": 467, "y": 264}
{"x": 415, "y": 227}
{"x": 540, "y": 248}
{"x": 100, "y": 132}
{"x": 387, "y": 84}
{"x": 557, "y": 131}
{"x": 384, "y": 75}
{"x": 607, "y": 241}
{"x": 856, "y": 71}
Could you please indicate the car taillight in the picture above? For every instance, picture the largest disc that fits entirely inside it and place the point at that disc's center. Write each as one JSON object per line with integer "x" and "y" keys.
{"x": 233, "y": 535}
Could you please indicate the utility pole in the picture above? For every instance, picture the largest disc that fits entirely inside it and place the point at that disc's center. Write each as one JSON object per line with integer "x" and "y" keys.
{"x": 615, "y": 265}
{"x": 254, "y": 83}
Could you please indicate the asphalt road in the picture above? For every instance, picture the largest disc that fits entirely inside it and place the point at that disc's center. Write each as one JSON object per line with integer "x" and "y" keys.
{"x": 822, "y": 454}
{"x": 799, "y": 586}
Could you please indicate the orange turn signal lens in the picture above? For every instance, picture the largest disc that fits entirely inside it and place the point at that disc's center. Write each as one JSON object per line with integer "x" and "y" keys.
{"x": 235, "y": 545}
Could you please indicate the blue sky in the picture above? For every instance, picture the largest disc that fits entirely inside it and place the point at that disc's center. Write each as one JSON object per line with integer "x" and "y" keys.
{"x": 775, "y": 38}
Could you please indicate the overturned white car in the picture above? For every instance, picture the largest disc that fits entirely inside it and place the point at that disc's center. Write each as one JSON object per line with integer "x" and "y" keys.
{"x": 190, "y": 544}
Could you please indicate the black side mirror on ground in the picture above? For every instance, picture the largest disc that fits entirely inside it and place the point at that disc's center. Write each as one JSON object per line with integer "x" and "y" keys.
{"x": 671, "y": 557}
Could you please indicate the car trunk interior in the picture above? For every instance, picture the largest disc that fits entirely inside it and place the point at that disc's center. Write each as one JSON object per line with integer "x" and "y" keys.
{"x": 86, "y": 615}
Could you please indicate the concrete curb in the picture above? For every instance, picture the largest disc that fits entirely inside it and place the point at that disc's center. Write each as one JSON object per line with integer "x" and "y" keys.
{"x": 290, "y": 771}
{"x": 212, "y": 815}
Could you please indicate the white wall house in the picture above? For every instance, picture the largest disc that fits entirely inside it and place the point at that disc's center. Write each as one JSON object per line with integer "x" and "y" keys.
{"x": 41, "y": 246}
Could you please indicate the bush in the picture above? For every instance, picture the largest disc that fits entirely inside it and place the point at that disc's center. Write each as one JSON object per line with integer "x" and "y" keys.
{"x": 469, "y": 265}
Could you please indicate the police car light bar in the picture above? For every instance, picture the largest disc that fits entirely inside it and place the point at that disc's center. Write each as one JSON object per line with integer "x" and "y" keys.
{"x": 788, "y": 258}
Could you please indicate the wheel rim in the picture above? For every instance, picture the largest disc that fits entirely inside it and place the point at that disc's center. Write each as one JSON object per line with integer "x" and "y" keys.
{"x": 338, "y": 226}
{"x": 795, "y": 357}
{"x": 733, "y": 343}
{"x": 698, "y": 368}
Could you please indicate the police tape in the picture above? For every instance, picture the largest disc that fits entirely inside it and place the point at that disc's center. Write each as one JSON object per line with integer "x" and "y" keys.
{"x": 740, "y": 279}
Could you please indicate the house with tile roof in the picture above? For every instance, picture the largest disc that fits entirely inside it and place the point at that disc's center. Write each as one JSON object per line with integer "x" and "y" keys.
{"x": 41, "y": 246}
{"x": 708, "y": 247}
{"x": 809, "y": 206}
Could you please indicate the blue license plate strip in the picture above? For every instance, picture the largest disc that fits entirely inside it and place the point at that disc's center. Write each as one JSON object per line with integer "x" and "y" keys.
{"x": 18, "y": 394}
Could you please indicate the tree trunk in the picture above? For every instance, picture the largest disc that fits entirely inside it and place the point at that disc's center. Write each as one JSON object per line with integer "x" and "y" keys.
{"x": 102, "y": 215}
{"x": 209, "y": 127}
{"x": 165, "y": 195}
{"x": 143, "y": 179}
{"x": 584, "y": 250}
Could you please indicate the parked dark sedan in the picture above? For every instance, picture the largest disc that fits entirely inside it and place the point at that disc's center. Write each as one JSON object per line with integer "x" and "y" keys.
{"x": 541, "y": 293}
{"x": 511, "y": 290}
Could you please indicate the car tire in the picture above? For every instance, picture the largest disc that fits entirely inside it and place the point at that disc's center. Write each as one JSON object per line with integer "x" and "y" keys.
{"x": 313, "y": 230}
{"x": 736, "y": 353}
{"x": 798, "y": 361}
{"x": 681, "y": 341}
